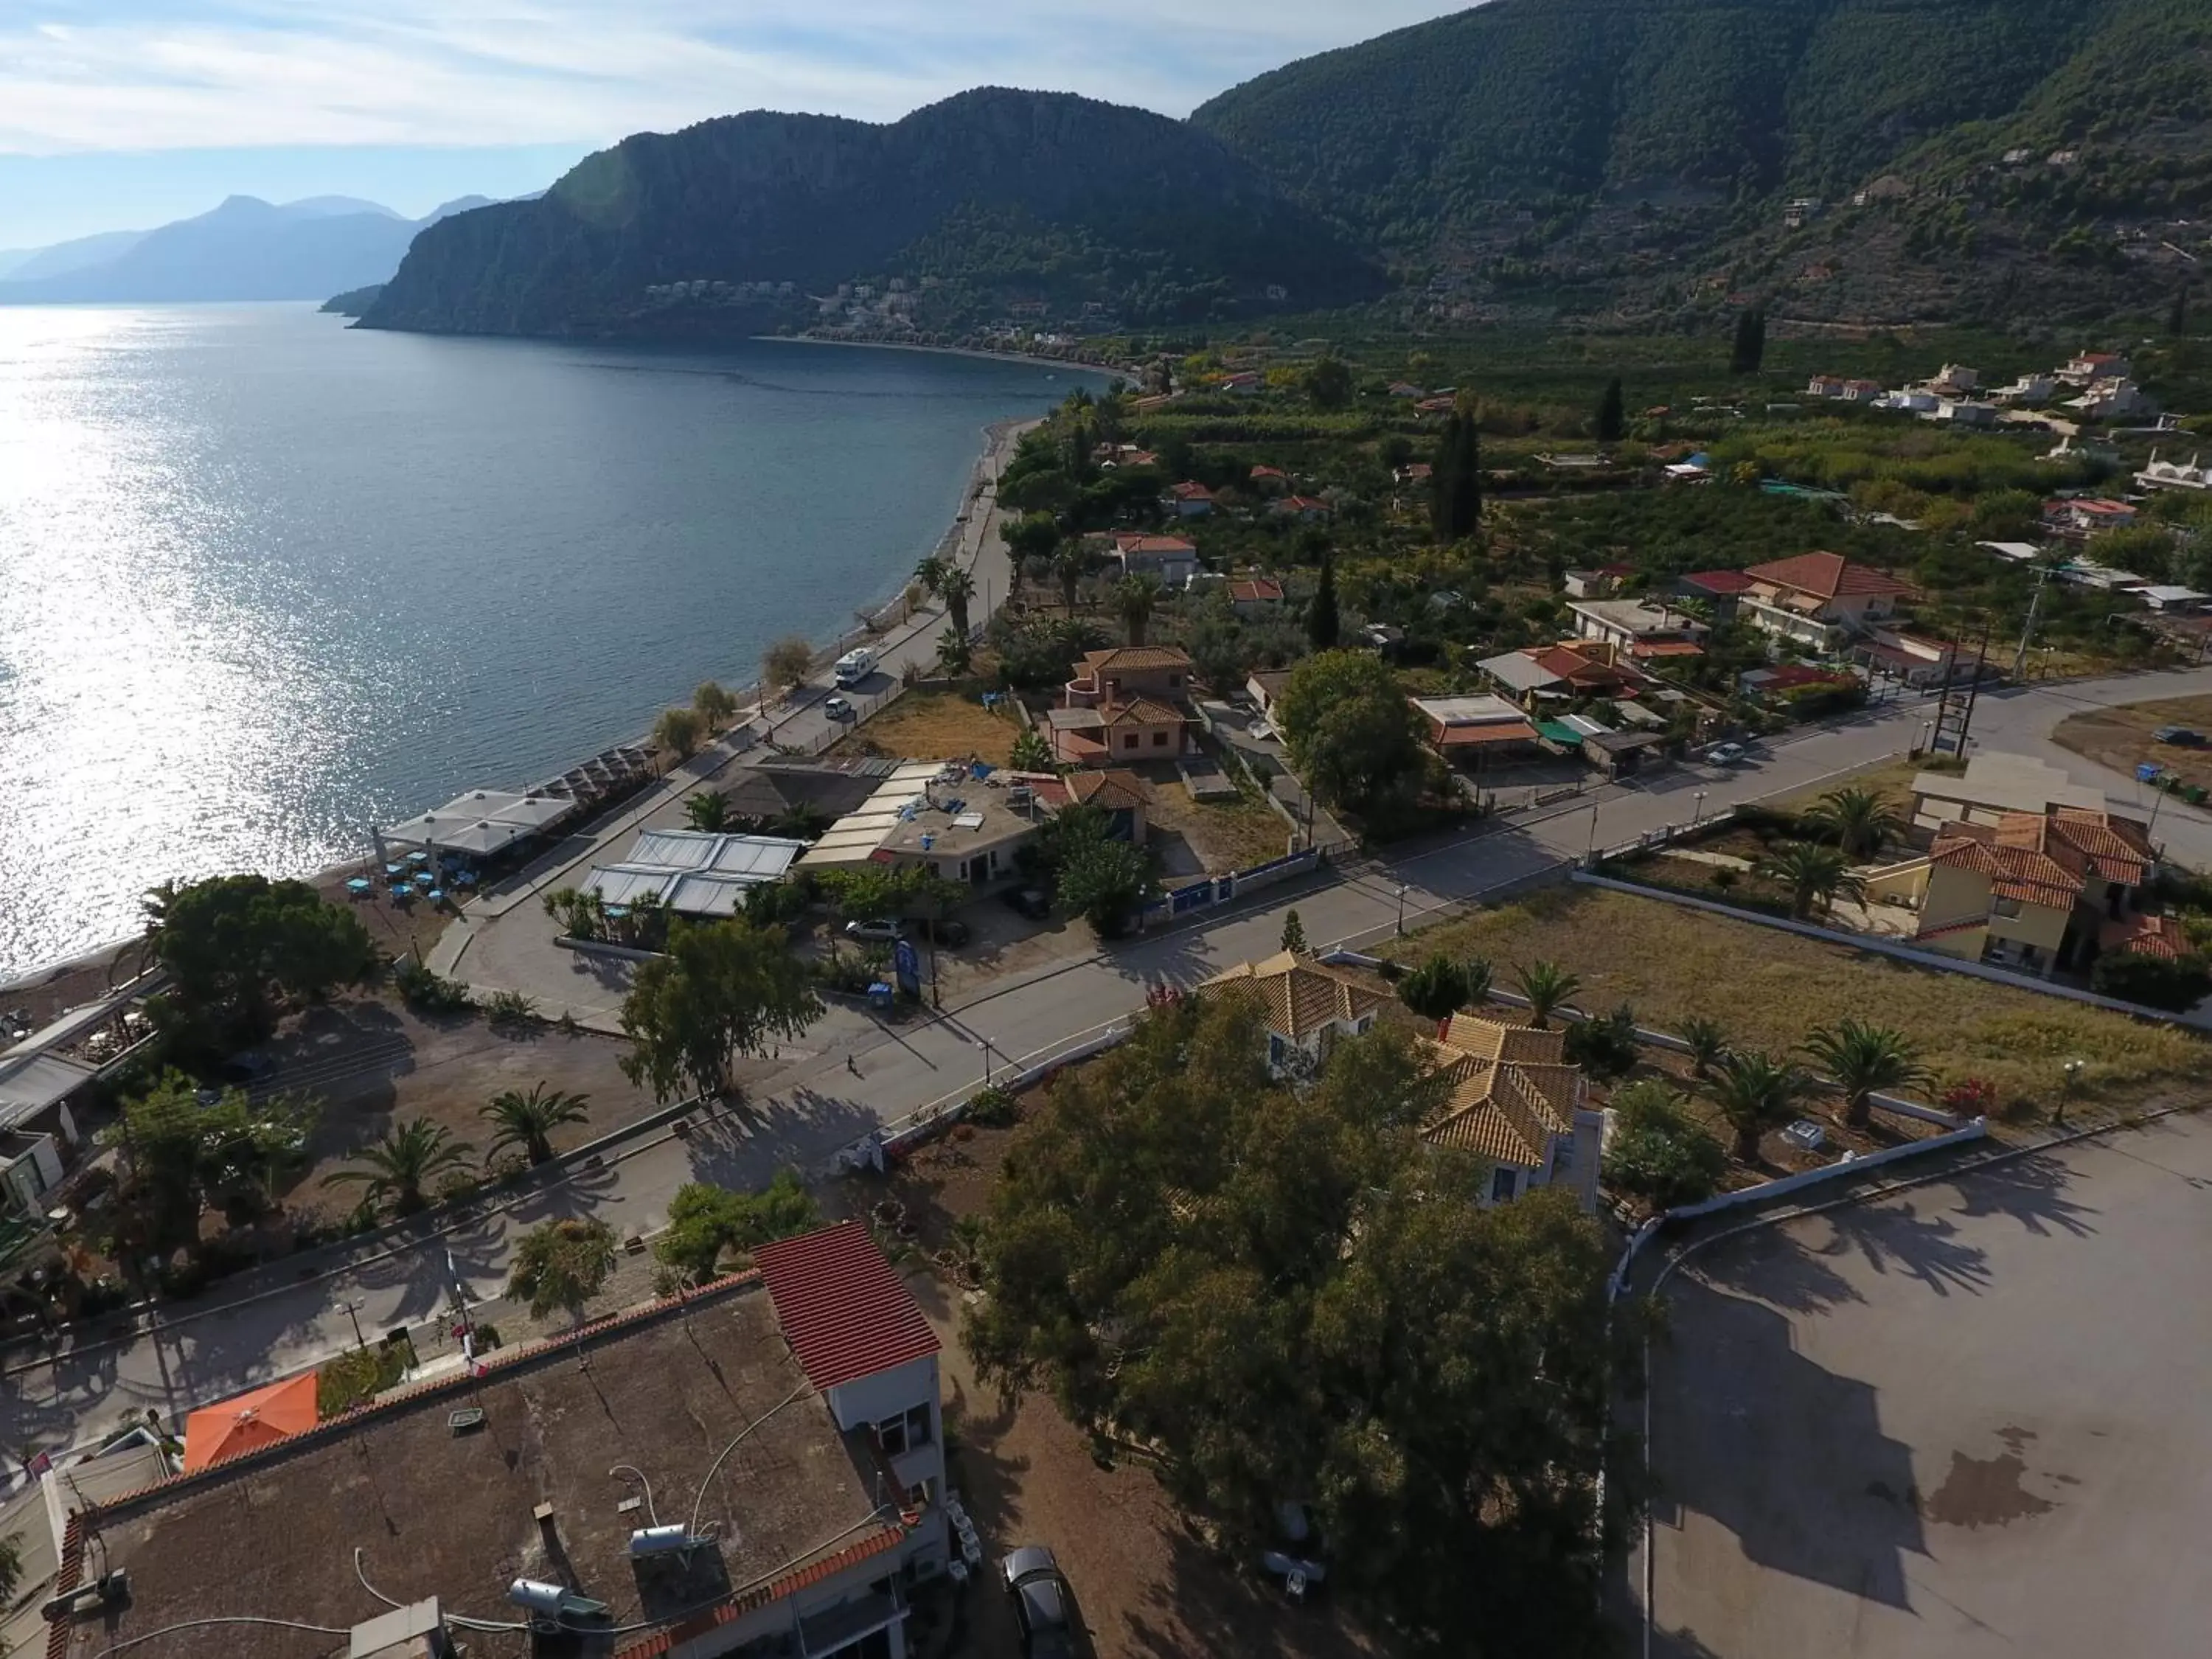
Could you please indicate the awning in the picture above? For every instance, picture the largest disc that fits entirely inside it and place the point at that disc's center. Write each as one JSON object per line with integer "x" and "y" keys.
{"x": 250, "y": 1422}
{"x": 1468, "y": 737}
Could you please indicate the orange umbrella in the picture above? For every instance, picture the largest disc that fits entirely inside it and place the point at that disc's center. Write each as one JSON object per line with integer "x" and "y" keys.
{"x": 249, "y": 1422}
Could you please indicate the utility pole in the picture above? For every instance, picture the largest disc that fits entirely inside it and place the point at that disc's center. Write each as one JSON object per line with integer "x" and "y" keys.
{"x": 2027, "y": 634}
{"x": 1974, "y": 691}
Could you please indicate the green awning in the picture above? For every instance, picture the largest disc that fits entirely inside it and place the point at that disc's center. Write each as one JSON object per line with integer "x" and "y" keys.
{"x": 1557, "y": 732}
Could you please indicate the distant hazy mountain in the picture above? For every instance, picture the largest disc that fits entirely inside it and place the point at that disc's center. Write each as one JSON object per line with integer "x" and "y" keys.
{"x": 246, "y": 249}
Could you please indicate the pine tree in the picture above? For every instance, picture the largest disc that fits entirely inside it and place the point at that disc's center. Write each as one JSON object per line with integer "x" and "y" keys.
{"x": 1611, "y": 414}
{"x": 1750, "y": 342}
{"x": 1294, "y": 932}
{"x": 1321, "y": 621}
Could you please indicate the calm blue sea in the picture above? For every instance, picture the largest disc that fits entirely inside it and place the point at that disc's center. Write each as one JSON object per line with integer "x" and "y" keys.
{"x": 265, "y": 581}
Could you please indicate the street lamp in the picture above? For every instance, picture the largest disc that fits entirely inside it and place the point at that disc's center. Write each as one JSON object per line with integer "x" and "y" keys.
{"x": 353, "y": 1312}
{"x": 2072, "y": 1077}
{"x": 1698, "y": 809}
{"x": 1589, "y": 850}
{"x": 983, "y": 1042}
{"x": 1402, "y": 907}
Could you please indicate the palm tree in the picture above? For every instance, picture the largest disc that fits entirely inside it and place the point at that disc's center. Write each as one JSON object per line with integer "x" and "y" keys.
{"x": 956, "y": 588}
{"x": 930, "y": 572}
{"x": 1477, "y": 981}
{"x": 1031, "y": 752}
{"x": 1070, "y": 564}
{"x": 1136, "y": 598}
{"x": 1707, "y": 1044}
{"x": 1756, "y": 1092}
{"x": 954, "y": 653}
{"x": 529, "y": 1121}
{"x": 1865, "y": 1060}
{"x": 1861, "y": 821}
{"x": 708, "y": 812}
{"x": 402, "y": 1162}
{"x": 1815, "y": 875}
{"x": 1548, "y": 985}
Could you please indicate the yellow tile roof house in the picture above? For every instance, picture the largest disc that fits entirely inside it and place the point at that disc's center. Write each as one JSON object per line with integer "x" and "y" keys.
{"x": 1513, "y": 1097}
{"x": 2038, "y": 891}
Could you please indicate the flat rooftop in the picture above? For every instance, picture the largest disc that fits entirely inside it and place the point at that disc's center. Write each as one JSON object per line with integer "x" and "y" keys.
{"x": 272, "y": 1534}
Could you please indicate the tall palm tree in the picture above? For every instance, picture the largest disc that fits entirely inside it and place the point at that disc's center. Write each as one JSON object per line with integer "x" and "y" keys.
{"x": 1756, "y": 1092}
{"x": 930, "y": 572}
{"x": 956, "y": 588}
{"x": 529, "y": 1121}
{"x": 1136, "y": 598}
{"x": 1070, "y": 564}
{"x": 1860, "y": 821}
{"x": 1706, "y": 1041}
{"x": 1548, "y": 985}
{"x": 1816, "y": 876}
{"x": 954, "y": 655}
{"x": 1866, "y": 1060}
{"x": 402, "y": 1162}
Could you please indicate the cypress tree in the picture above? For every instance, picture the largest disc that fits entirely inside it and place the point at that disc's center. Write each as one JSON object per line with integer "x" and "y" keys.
{"x": 1467, "y": 481}
{"x": 1320, "y": 615}
{"x": 1750, "y": 342}
{"x": 2177, "y": 320}
{"x": 1611, "y": 414}
{"x": 1440, "y": 480}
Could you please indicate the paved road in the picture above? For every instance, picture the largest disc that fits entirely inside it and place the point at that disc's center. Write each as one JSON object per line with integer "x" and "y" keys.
{"x": 1964, "y": 1422}
{"x": 818, "y": 1103}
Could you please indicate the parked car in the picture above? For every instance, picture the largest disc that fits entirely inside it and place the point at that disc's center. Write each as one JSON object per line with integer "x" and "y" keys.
{"x": 1726, "y": 754}
{"x": 1031, "y": 902}
{"x": 881, "y": 931}
{"x": 836, "y": 708}
{"x": 2180, "y": 736}
{"x": 1042, "y": 1606}
{"x": 948, "y": 932}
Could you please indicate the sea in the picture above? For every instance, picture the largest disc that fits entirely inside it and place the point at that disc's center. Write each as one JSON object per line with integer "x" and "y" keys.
{"x": 267, "y": 580}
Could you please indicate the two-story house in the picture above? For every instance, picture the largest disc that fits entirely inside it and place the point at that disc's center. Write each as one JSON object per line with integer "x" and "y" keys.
{"x": 1170, "y": 558}
{"x": 1818, "y": 600}
{"x": 2038, "y": 891}
{"x": 1124, "y": 704}
{"x": 1189, "y": 499}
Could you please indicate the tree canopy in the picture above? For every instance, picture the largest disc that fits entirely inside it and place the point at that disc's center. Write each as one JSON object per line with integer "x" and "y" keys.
{"x": 724, "y": 990}
{"x": 1356, "y": 739}
{"x": 235, "y": 946}
{"x": 706, "y": 1222}
{"x": 561, "y": 1264}
{"x": 1290, "y": 1297}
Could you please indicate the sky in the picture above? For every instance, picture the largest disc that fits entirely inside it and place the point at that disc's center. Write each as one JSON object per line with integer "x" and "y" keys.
{"x": 122, "y": 114}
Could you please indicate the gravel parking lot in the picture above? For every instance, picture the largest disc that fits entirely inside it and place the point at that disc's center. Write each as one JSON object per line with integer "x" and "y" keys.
{"x": 1966, "y": 1421}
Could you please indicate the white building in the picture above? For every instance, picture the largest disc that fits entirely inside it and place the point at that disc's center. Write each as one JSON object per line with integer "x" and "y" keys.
{"x": 2172, "y": 475}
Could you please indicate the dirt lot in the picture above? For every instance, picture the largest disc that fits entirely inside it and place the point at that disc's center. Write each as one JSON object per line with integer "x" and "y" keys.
{"x": 1893, "y": 777}
{"x": 1210, "y": 837}
{"x": 935, "y": 726}
{"x": 1145, "y": 1584}
{"x": 2120, "y": 737}
{"x": 374, "y": 1064}
{"x": 1768, "y": 988}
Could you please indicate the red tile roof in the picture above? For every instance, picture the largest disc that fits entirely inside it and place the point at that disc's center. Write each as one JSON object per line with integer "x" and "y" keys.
{"x": 1263, "y": 591}
{"x": 1829, "y": 575}
{"x": 1189, "y": 490}
{"x": 2145, "y": 936}
{"x": 843, "y": 1310}
{"x": 1152, "y": 544}
{"x": 1719, "y": 581}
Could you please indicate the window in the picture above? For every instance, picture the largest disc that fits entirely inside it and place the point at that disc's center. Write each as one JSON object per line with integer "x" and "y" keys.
{"x": 1501, "y": 1183}
{"x": 1129, "y": 742}
{"x": 900, "y": 1435}
{"x": 922, "y": 1493}
{"x": 1160, "y": 739}
{"x": 1276, "y": 1049}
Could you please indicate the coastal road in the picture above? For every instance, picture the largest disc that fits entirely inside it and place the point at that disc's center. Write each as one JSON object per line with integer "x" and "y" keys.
{"x": 852, "y": 1072}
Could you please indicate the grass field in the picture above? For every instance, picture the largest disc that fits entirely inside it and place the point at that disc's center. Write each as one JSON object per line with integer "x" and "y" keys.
{"x": 935, "y": 726}
{"x": 1768, "y": 988}
{"x": 2120, "y": 737}
{"x": 1224, "y": 835}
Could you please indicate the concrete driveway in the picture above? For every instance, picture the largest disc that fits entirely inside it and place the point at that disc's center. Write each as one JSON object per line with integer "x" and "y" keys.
{"x": 1964, "y": 1422}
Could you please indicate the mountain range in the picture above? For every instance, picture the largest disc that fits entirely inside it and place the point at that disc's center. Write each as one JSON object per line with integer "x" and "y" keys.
{"x": 245, "y": 249}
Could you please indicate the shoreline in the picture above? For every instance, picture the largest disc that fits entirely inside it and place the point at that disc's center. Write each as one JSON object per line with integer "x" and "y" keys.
{"x": 44, "y": 984}
{"x": 1032, "y": 358}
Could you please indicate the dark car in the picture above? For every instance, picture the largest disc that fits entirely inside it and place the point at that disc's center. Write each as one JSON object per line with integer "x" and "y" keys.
{"x": 2181, "y": 736}
{"x": 948, "y": 932}
{"x": 1041, "y": 1605}
{"x": 1031, "y": 902}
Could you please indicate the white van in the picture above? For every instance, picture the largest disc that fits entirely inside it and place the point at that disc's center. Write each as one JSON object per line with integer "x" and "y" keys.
{"x": 855, "y": 666}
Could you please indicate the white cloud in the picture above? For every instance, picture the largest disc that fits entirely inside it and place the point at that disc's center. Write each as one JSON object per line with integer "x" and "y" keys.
{"x": 146, "y": 74}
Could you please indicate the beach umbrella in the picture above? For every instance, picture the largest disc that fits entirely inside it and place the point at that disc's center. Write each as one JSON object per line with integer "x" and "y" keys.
{"x": 250, "y": 1421}
{"x": 418, "y": 857}
{"x": 424, "y": 879}
{"x": 359, "y": 885}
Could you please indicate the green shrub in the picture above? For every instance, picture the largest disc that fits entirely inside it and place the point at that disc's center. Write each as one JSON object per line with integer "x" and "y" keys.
{"x": 993, "y": 1108}
{"x": 426, "y": 992}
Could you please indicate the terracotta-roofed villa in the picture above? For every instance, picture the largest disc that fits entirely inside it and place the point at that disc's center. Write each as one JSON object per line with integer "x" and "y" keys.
{"x": 1306, "y": 1005}
{"x": 1818, "y": 600}
{"x": 2038, "y": 891}
{"x": 754, "y": 1467}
